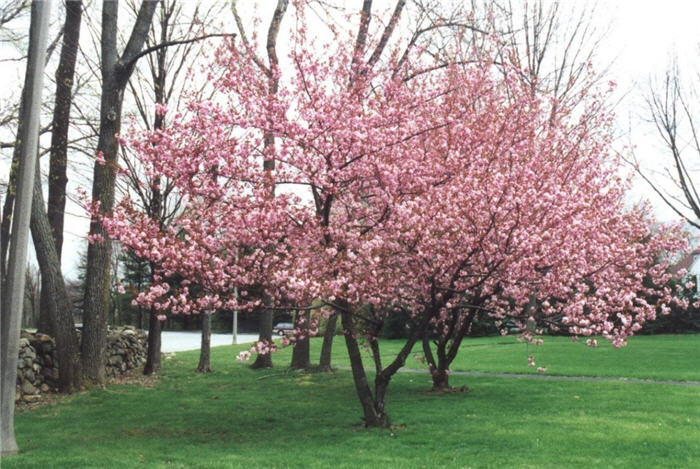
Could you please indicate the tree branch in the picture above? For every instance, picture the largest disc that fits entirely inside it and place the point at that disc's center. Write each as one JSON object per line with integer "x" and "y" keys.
{"x": 139, "y": 32}
{"x": 163, "y": 45}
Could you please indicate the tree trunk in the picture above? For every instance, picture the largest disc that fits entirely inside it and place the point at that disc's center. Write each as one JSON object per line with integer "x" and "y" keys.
{"x": 61, "y": 121}
{"x": 205, "y": 351}
{"x": 59, "y": 144}
{"x": 440, "y": 379}
{"x": 7, "y": 211}
{"x": 324, "y": 363}
{"x": 115, "y": 75}
{"x": 300, "y": 355}
{"x": 432, "y": 364}
{"x": 374, "y": 410}
{"x": 447, "y": 350}
{"x": 99, "y": 252}
{"x": 45, "y": 323}
{"x": 264, "y": 360}
{"x": 153, "y": 352}
{"x": 58, "y": 307}
{"x": 266, "y": 317}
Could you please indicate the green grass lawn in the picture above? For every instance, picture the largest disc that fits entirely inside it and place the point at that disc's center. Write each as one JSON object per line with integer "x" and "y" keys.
{"x": 236, "y": 417}
{"x": 662, "y": 357}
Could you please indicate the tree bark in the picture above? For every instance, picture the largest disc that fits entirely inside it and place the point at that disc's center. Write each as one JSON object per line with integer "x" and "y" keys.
{"x": 446, "y": 350}
{"x": 153, "y": 352}
{"x": 440, "y": 379}
{"x": 7, "y": 211}
{"x": 58, "y": 177}
{"x": 265, "y": 335}
{"x": 300, "y": 355}
{"x": 266, "y": 315}
{"x": 374, "y": 412}
{"x": 205, "y": 351}
{"x": 324, "y": 363}
{"x": 115, "y": 75}
{"x": 97, "y": 279}
{"x": 58, "y": 308}
{"x": 61, "y": 121}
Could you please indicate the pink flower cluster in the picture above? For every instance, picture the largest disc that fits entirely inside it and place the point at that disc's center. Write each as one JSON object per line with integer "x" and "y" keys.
{"x": 455, "y": 189}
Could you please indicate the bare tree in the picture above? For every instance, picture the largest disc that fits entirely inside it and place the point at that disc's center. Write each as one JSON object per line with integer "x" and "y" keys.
{"x": 116, "y": 70}
{"x": 65, "y": 74}
{"x": 53, "y": 285}
{"x": 672, "y": 111}
{"x": 49, "y": 315}
{"x": 553, "y": 44}
{"x": 11, "y": 12}
{"x": 47, "y": 225}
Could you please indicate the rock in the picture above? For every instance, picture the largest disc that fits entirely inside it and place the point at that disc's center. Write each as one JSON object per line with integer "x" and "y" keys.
{"x": 29, "y": 352}
{"x": 38, "y": 358}
{"x": 31, "y": 397}
{"x": 50, "y": 373}
{"x": 28, "y": 388}
{"x": 43, "y": 337}
{"x": 115, "y": 360}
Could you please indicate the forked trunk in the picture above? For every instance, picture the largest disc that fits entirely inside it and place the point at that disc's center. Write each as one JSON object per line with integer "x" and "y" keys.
{"x": 440, "y": 379}
{"x": 446, "y": 350}
{"x": 116, "y": 71}
{"x": 57, "y": 304}
{"x": 373, "y": 407}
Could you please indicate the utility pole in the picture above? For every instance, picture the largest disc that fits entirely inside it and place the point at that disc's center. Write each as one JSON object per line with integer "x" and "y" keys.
{"x": 10, "y": 321}
{"x": 235, "y": 311}
{"x": 235, "y": 320}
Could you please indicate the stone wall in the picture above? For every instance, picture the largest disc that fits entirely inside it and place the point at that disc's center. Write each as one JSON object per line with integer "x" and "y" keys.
{"x": 37, "y": 368}
{"x": 126, "y": 350}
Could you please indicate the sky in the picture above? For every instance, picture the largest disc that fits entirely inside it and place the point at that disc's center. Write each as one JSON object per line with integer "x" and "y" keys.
{"x": 642, "y": 37}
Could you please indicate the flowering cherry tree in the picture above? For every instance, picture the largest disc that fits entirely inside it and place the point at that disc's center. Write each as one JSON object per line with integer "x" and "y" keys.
{"x": 533, "y": 235}
{"x": 444, "y": 190}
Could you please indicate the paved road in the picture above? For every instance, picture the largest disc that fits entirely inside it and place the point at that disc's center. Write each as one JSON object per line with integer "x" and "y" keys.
{"x": 179, "y": 341}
